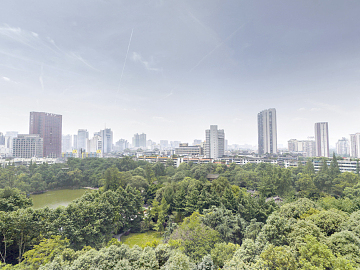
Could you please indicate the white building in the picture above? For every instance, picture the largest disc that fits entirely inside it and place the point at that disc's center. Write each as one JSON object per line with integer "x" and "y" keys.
{"x": 28, "y": 146}
{"x": 305, "y": 147}
{"x": 82, "y": 138}
{"x": 107, "y": 140}
{"x": 95, "y": 144}
{"x": 322, "y": 139}
{"x": 139, "y": 141}
{"x": 66, "y": 145}
{"x": 215, "y": 142}
{"x": 267, "y": 132}
{"x": 342, "y": 147}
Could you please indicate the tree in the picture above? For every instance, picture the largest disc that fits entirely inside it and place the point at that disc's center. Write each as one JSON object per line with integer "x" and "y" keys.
{"x": 334, "y": 167}
{"x": 206, "y": 264}
{"x": 276, "y": 258}
{"x": 178, "y": 261}
{"x": 162, "y": 215}
{"x": 330, "y": 221}
{"x": 12, "y": 199}
{"x": 230, "y": 226}
{"x": 223, "y": 252}
{"x": 45, "y": 252}
{"x": 194, "y": 238}
{"x": 316, "y": 255}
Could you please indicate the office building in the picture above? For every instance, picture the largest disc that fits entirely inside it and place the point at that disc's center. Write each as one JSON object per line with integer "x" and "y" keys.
{"x": 342, "y": 147}
{"x": 185, "y": 150}
{"x": 121, "y": 145}
{"x": 322, "y": 139}
{"x": 107, "y": 140}
{"x": 82, "y": 138}
{"x": 304, "y": 147}
{"x": 95, "y": 144}
{"x": 267, "y": 132}
{"x": 66, "y": 145}
{"x": 2, "y": 138}
{"x": 355, "y": 145}
{"x": 139, "y": 140}
{"x": 215, "y": 142}
{"x": 28, "y": 146}
{"x": 49, "y": 127}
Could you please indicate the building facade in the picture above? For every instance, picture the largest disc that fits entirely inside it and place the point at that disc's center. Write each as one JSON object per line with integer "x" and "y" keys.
{"x": 66, "y": 145}
{"x": 342, "y": 147}
{"x": 322, "y": 139}
{"x": 185, "y": 150}
{"x": 82, "y": 138}
{"x": 139, "y": 140}
{"x": 28, "y": 146}
{"x": 267, "y": 132}
{"x": 304, "y": 147}
{"x": 215, "y": 142}
{"x": 107, "y": 140}
{"x": 49, "y": 127}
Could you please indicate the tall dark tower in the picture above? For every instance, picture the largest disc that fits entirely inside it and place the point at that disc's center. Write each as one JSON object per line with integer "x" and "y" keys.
{"x": 49, "y": 127}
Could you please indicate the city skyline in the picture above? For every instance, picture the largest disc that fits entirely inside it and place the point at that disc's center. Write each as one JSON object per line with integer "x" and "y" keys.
{"x": 167, "y": 67}
{"x": 89, "y": 135}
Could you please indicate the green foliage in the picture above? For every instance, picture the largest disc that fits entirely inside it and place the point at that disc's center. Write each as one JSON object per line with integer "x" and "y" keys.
{"x": 230, "y": 226}
{"x": 12, "y": 199}
{"x": 44, "y": 252}
{"x": 223, "y": 252}
{"x": 195, "y": 238}
{"x": 276, "y": 258}
{"x": 330, "y": 221}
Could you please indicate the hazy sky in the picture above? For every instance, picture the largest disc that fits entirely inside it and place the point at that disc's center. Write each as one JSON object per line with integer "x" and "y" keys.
{"x": 172, "y": 68}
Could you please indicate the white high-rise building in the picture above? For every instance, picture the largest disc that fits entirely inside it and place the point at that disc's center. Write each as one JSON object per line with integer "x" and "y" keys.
{"x": 82, "y": 138}
{"x": 355, "y": 145}
{"x": 215, "y": 142}
{"x": 342, "y": 147}
{"x": 139, "y": 141}
{"x": 107, "y": 140}
{"x": 267, "y": 132}
{"x": 94, "y": 144}
{"x": 305, "y": 147}
{"x": 322, "y": 139}
{"x": 66, "y": 145}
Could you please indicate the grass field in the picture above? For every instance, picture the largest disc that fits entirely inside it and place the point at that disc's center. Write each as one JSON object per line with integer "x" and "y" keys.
{"x": 140, "y": 239}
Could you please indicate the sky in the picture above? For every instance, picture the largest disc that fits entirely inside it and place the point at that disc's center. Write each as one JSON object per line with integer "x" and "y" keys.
{"x": 172, "y": 68}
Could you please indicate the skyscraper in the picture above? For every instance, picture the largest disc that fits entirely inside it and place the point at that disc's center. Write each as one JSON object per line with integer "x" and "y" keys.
{"x": 49, "y": 127}
{"x": 215, "y": 142}
{"x": 107, "y": 140}
{"x": 139, "y": 140}
{"x": 322, "y": 139}
{"x": 82, "y": 137}
{"x": 267, "y": 132}
{"x": 66, "y": 143}
{"x": 355, "y": 145}
{"x": 342, "y": 147}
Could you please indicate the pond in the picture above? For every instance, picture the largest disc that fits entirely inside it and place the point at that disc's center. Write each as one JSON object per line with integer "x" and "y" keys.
{"x": 56, "y": 198}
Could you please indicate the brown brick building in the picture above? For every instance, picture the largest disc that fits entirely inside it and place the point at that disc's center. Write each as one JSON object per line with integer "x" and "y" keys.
{"x": 49, "y": 127}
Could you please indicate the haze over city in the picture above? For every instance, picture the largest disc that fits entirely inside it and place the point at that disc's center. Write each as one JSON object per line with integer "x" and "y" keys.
{"x": 173, "y": 68}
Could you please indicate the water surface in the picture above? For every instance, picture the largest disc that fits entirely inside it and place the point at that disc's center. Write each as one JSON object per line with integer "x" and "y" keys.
{"x": 56, "y": 198}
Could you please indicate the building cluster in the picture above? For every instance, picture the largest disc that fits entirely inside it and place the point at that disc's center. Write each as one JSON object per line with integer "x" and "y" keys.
{"x": 45, "y": 140}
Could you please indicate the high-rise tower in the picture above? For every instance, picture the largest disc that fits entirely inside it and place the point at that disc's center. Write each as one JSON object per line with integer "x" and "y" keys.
{"x": 49, "y": 127}
{"x": 322, "y": 139}
{"x": 267, "y": 132}
{"x": 215, "y": 142}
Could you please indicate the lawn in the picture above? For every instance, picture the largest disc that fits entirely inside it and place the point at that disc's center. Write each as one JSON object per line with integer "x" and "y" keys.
{"x": 140, "y": 239}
